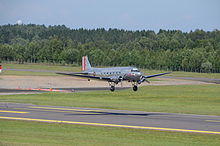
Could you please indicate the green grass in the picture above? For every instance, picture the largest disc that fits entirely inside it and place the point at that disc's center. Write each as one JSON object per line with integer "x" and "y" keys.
{"x": 37, "y": 67}
{"x": 16, "y": 133}
{"x": 191, "y": 99}
{"x": 27, "y": 73}
{"x": 41, "y": 67}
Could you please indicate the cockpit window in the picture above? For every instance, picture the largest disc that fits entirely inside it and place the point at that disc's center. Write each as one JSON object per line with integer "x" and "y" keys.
{"x": 134, "y": 70}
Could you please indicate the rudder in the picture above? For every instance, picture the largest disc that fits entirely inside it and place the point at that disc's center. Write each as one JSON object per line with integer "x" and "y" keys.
{"x": 85, "y": 63}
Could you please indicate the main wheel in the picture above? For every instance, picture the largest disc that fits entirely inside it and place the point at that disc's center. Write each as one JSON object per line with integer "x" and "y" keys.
{"x": 135, "y": 88}
{"x": 112, "y": 88}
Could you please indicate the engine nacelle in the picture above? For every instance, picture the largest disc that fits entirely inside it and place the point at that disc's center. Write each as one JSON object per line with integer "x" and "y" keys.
{"x": 116, "y": 79}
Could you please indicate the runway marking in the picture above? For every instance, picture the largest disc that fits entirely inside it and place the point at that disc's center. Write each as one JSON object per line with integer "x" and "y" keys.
{"x": 111, "y": 125}
{"x": 17, "y": 112}
{"x": 68, "y": 109}
{"x": 213, "y": 121}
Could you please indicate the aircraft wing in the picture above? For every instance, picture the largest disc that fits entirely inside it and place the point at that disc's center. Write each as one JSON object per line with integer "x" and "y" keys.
{"x": 151, "y": 76}
{"x": 155, "y": 75}
{"x": 72, "y": 73}
{"x": 85, "y": 76}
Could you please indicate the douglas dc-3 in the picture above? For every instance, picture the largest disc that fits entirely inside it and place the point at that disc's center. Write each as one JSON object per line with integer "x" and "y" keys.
{"x": 112, "y": 75}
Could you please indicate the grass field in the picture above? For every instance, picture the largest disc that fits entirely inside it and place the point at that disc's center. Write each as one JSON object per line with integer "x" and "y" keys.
{"x": 17, "y": 133}
{"x": 41, "y": 67}
{"x": 37, "y": 67}
{"x": 192, "y": 99}
{"x": 77, "y": 69}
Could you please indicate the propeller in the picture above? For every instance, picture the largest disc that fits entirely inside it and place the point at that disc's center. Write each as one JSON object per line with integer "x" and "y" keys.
{"x": 147, "y": 81}
{"x": 142, "y": 80}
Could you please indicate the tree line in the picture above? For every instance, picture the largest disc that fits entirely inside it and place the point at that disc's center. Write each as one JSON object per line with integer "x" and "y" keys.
{"x": 197, "y": 51}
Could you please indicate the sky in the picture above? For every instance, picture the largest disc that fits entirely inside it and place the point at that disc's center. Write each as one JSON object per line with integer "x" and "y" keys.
{"x": 184, "y": 15}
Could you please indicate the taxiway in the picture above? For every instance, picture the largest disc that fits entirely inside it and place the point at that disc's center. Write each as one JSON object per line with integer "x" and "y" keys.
{"x": 115, "y": 118}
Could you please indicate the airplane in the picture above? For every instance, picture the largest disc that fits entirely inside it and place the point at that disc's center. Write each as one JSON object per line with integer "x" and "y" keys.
{"x": 113, "y": 75}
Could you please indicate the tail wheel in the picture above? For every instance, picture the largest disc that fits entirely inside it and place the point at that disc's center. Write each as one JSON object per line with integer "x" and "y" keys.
{"x": 135, "y": 88}
{"x": 112, "y": 88}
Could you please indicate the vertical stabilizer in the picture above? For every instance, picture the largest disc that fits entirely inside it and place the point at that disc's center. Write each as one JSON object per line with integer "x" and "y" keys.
{"x": 85, "y": 63}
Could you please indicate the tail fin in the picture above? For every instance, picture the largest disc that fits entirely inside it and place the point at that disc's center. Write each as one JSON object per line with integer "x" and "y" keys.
{"x": 85, "y": 63}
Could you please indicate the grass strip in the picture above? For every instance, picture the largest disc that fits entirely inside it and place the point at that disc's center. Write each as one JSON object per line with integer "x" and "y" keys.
{"x": 18, "y": 133}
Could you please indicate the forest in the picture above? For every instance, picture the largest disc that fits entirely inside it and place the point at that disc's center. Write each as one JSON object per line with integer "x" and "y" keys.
{"x": 195, "y": 51}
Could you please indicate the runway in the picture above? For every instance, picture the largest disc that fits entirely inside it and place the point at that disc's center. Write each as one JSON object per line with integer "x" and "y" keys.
{"x": 114, "y": 118}
{"x": 4, "y": 91}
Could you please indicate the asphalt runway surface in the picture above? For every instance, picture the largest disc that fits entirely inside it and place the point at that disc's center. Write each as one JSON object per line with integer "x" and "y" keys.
{"x": 29, "y": 91}
{"x": 114, "y": 118}
{"x": 16, "y": 91}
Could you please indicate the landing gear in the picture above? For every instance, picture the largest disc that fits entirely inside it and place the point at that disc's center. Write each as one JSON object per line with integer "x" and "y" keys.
{"x": 112, "y": 88}
{"x": 135, "y": 88}
{"x": 112, "y": 84}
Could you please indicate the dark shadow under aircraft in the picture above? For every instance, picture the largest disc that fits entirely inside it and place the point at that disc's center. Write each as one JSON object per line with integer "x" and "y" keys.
{"x": 112, "y": 75}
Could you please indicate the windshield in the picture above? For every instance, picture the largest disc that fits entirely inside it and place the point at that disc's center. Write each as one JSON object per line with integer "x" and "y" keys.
{"x": 134, "y": 70}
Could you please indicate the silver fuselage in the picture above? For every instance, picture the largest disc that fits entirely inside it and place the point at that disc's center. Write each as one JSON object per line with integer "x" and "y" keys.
{"x": 125, "y": 73}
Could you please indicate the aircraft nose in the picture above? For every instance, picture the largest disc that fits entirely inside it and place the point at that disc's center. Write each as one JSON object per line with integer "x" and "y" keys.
{"x": 138, "y": 74}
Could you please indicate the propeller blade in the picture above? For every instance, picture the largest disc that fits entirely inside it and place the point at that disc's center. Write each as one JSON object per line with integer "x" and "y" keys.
{"x": 147, "y": 81}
